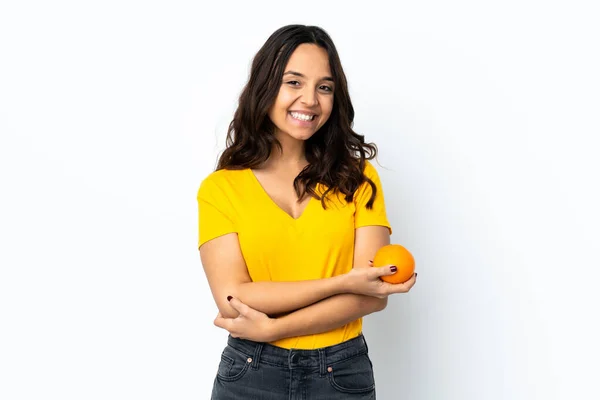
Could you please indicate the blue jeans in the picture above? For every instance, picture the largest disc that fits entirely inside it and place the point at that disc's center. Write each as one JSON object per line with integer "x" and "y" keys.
{"x": 260, "y": 371}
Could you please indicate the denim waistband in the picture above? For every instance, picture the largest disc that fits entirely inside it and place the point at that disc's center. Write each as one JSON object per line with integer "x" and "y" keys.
{"x": 299, "y": 358}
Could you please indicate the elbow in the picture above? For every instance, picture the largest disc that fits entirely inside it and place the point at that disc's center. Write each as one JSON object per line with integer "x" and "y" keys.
{"x": 371, "y": 305}
{"x": 222, "y": 302}
{"x": 380, "y": 304}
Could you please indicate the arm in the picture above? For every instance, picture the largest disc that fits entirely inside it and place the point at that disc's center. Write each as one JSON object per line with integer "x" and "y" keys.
{"x": 227, "y": 275}
{"x": 323, "y": 316}
{"x": 341, "y": 309}
{"x": 326, "y": 315}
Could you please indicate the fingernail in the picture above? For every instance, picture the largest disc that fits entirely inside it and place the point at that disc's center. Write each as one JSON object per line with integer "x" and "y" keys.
{"x": 393, "y": 268}
{"x": 370, "y": 261}
{"x": 416, "y": 275}
{"x": 229, "y": 298}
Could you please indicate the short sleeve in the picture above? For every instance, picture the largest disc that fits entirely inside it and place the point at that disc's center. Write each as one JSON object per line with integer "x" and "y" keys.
{"x": 376, "y": 215}
{"x": 214, "y": 213}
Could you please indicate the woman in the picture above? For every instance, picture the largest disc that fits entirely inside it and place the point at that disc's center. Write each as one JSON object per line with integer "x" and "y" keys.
{"x": 288, "y": 224}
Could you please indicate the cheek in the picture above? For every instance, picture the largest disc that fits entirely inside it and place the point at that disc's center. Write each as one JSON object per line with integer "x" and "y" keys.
{"x": 327, "y": 107}
{"x": 278, "y": 108}
{"x": 284, "y": 100}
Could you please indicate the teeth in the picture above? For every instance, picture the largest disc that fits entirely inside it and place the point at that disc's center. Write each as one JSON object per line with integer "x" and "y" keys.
{"x": 302, "y": 117}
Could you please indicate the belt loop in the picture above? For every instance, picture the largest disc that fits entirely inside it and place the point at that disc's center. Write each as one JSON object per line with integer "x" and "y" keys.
{"x": 257, "y": 352}
{"x": 322, "y": 362}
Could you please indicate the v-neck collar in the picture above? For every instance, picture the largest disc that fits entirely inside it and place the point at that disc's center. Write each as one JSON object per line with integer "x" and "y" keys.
{"x": 270, "y": 200}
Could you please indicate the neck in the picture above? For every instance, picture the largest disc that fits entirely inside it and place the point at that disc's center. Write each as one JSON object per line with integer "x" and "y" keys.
{"x": 291, "y": 155}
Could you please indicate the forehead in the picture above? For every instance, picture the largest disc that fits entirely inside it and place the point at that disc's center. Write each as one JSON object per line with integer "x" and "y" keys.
{"x": 310, "y": 60}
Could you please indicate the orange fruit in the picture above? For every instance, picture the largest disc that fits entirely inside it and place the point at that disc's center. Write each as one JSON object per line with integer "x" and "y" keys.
{"x": 395, "y": 254}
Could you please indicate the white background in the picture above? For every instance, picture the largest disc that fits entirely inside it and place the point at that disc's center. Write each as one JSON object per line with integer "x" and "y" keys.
{"x": 486, "y": 115}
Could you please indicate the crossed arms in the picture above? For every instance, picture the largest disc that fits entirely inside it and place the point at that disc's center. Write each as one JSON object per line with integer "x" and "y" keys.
{"x": 268, "y": 311}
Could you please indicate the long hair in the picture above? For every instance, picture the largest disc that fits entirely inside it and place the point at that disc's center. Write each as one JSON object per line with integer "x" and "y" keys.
{"x": 335, "y": 153}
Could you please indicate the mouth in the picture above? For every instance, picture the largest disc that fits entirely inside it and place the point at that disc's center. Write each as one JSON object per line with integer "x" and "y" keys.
{"x": 302, "y": 117}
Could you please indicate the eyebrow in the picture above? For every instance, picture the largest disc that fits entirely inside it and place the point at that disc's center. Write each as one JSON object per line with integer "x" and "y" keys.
{"x": 325, "y": 78}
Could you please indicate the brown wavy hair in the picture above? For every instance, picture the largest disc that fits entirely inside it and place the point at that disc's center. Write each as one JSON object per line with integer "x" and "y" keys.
{"x": 335, "y": 153}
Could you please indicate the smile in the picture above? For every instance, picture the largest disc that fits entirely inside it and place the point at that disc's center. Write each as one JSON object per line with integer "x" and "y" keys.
{"x": 302, "y": 117}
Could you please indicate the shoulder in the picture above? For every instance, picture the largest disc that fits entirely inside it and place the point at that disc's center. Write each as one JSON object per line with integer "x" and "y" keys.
{"x": 224, "y": 176}
{"x": 370, "y": 169}
{"x": 221, "y": 182}
{"x": 371, "y": 172}
{"x": 372, "y": 181}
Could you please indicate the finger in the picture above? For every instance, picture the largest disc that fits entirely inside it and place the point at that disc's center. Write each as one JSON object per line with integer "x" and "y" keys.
{"x": 396, "y": 288}
{"x": 228, "y": 324}
{"x": 240, "y": 307}
{"x": 411, "y": 282}
{"x": 383, "y": 271}
{"x": 401, "y": 287}
{"x": 412, "y": 279}
{"x": 224, "y": 323}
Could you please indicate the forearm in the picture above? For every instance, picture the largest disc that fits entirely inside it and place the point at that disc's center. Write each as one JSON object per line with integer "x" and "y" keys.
{"x": 274, "y": 298}
{"x": 326, "y": 315}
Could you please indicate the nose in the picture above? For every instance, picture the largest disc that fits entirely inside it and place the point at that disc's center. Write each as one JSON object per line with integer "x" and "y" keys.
{"x": 309, "y": 97}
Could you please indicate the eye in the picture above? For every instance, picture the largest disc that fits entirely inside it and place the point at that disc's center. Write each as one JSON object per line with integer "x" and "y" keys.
{"x": 293, "y": 83}
{"x": 326, "y": 88}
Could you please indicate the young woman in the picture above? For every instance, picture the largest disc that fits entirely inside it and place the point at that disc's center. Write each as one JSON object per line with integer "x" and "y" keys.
{"x": 288, "y": 224}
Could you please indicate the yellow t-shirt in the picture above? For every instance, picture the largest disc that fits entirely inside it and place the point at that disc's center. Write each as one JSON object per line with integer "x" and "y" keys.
{"x": 277, "y": 247}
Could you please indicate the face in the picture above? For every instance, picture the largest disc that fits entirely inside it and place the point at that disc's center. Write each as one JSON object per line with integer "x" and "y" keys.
{"x": 305, "y": 98}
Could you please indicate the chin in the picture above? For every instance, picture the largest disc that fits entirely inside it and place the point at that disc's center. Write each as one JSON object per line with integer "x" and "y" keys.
{"x": 302, "y": 135}
{"x": 298, "y": 134}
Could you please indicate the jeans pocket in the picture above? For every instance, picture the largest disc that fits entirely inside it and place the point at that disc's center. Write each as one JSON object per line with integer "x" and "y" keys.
{"x": 353, "y": 375}
{"x": 234, "y": 364}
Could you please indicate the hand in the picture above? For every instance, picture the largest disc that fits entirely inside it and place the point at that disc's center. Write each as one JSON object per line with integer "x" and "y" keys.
{"x": 249, "y": 324}
{"x": 366, "y": 281}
